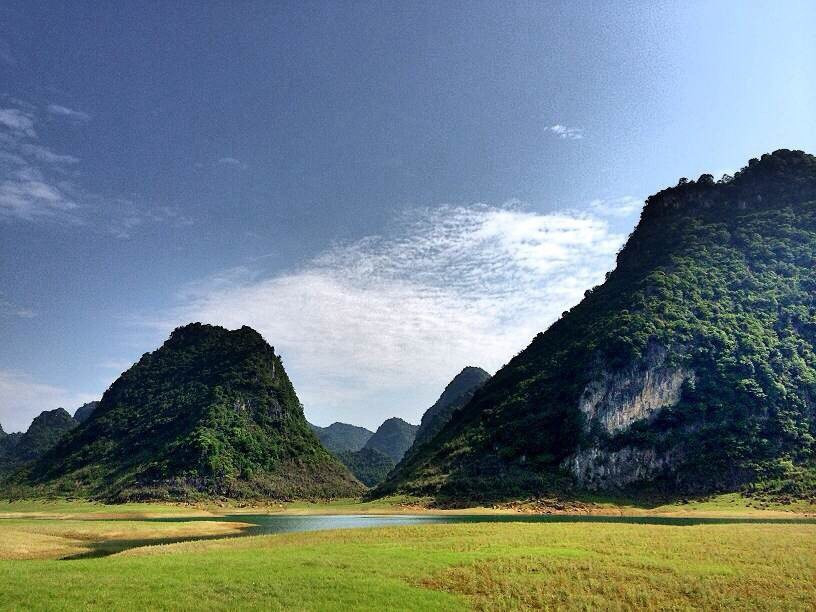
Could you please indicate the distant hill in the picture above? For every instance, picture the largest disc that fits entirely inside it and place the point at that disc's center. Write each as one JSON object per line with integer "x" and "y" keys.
{"x": 393, "y": 438}
{"x": 457, "y": 393}
{"x": 341, "y": 437}
{"x": 211, "y": 413}
{"x": 368, "y": 465}
{"x": 42, "y": 435}
{"x": 691, "y": 369}
{"x": 84, "y": 412}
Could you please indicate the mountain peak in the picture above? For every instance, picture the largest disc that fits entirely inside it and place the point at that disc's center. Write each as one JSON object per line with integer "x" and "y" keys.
{"x": 210, "y": 413}
{"x": 393, "y": 438}
{"x": 690, "y": 367}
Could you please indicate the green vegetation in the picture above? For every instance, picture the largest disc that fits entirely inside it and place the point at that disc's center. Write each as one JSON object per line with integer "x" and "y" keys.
{"x": 462, "y": 566}
{"x": 342, "y": 437}
{"x": 368, "y": 465}
{"x": 393, "y": 438}
{"x": 209, "y": 414}
{"x": 84, "y": 412}
{"x": 42, "y": 435}
{"x": 717, "y": 279}
{"x": 458, "y": 393}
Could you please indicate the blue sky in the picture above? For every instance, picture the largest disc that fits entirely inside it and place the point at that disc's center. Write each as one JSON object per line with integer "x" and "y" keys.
{"x": 387, "y": 191}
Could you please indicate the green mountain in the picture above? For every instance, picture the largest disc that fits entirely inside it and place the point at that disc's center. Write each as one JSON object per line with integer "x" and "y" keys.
{"x": 7, "y": 444}
{"x": 691, "y": 369}
{"x": 393, "y": 438}
{"x": 42, "y": 435}
{"x": 341, "y": 437}
{"x": 84, "y": 412}
{"x": 368, "y": 465}
{"x": 210, "y": 413}
{"x": 456, "y": 394}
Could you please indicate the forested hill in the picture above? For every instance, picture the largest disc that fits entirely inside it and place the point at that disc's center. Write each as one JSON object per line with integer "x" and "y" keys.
{"x": 209, "y": 414}
{"x": 692, "y": 368}
{"x": 342, "y": 437}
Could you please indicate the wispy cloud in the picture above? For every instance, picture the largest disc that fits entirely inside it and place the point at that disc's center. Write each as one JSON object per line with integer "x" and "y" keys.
{"x": 566, "y": 133}
{"x": 377, "y": 327}
{"x": 136, "y": 217}
{"x": 6, "y": 56}
{"x": 26, "y": 193}
{"x": 231, "y": 161}
{"x": 22, "y": 398}
{"x": 19, "y": 122}
{"x": 35, "y": 181}
{"x": 624, "y": 206}
{"x": 10, "y": 309}
{"x": 68, "y": 113}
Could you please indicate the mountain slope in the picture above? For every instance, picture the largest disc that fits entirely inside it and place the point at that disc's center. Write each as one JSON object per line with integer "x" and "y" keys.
{"x": 84, "y": 412}
{"x": 340, "y": 437}
{"x": 368, "y": 465}
{"x": 42, "y": 435}
{"x": 210, "y": 413}
{"x": 456, "y": 394}
{"x": 692, "y": 368}
{"x": 393, "y": 438}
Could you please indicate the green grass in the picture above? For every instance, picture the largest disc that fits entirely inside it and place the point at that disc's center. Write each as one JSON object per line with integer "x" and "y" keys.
{"x": 483, "y": 566}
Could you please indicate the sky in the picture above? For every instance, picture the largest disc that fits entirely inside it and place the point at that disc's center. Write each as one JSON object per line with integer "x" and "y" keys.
{"x": 388, "y": 192}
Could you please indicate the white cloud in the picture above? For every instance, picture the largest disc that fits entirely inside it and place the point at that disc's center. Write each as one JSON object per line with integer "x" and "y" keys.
{"x": 377, "y": 327}
{"x": 25, "y": 193}
{"x": 22, "y": 398}
{"x": 68, "y": 113}
{"x": 10, "y": 309}
{"x": 18, "y": 121}
{"x": 47, "y": 155}
{"x": 6, "y": 56}
{"x": 34, "y": 183}
{"x": 232, "y": 161}
{"x": 566, "y": 133}
{"x": 625, "y": 206}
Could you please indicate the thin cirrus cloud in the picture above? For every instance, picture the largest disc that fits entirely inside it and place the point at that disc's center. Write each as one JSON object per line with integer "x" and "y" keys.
{"x": 566, "y": 133}
{"x": 232, "y": 162}
{"x": 68, "y": 113}
{"x": 362, "y": 322}
{"x": 35, "y": 182}
{"x": 31, "y": 182}
{"x": 22, "y": 398}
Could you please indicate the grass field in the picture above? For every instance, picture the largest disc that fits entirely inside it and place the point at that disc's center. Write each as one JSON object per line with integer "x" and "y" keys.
{"x": 570, "y": 565}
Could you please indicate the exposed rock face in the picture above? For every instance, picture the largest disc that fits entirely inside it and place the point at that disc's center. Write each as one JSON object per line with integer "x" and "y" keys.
{"x": 615, "y": 400}
{"x": 595, "y": 468}
{"x": 689, "y": 370}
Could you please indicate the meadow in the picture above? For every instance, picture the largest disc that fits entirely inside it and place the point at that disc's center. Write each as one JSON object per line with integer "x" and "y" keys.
{"x": 508, "y": 565}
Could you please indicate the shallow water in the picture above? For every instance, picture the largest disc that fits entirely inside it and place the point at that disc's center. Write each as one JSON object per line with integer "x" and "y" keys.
{"x": 264, "y": 524}
{"x": 286, "y": 523}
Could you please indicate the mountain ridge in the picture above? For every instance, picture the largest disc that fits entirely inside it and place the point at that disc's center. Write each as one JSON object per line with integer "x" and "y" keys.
{"x": 688, "y": 369}
{"x": 210, "y": 413}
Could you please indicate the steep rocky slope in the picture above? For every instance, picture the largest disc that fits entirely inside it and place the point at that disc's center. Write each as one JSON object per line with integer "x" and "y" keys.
{"x": 84, "y": 412}
{"x": 691, "y": 369}
{"x": 456, "y": 394}
{"x": 209, "y": 414}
